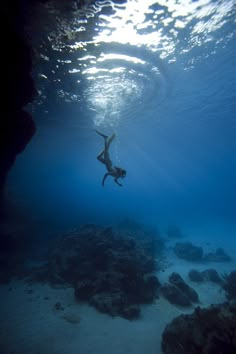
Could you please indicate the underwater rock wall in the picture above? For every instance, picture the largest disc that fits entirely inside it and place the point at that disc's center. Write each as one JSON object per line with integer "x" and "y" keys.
{"x": 17, "y": 126}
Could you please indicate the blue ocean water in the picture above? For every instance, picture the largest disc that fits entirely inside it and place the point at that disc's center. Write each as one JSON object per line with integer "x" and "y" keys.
{"x": 161, "y": 76}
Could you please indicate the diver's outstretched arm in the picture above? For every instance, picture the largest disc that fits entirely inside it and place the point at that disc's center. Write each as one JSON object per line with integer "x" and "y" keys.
{"x": 105, "y": 176}
{"x": 116, "y": 180}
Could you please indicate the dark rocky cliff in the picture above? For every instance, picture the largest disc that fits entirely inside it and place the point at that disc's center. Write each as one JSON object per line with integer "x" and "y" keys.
{"x": 16, "y": 125}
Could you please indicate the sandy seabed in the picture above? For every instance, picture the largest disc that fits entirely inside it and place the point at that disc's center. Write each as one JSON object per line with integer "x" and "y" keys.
{"x": 30, "y": 324}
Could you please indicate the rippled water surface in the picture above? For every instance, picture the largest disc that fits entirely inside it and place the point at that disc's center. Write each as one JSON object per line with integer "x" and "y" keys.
{"x": 119, "y": 59}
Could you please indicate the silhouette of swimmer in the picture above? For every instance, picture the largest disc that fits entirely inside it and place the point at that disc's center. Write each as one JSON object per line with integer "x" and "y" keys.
{"x": 104, "y": 158}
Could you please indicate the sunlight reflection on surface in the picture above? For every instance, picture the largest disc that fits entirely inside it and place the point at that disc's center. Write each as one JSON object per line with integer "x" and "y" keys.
{"x": 145, "y": 24}
{"x": 113, "y": 50}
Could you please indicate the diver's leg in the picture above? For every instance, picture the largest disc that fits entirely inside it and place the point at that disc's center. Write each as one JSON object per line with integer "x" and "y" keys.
{"x": 106, "y": 156}
{"x": 100, "y": 157}
{"x": 109, "y": 141}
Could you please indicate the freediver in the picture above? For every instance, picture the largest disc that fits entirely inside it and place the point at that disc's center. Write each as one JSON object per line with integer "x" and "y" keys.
{"x": 104, "y": 158}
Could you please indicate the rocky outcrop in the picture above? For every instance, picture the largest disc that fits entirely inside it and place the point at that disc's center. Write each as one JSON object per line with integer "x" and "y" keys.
{"x": 174, "y": 295}
{"x": 178, "y": 292}
{"x": 176, "y": 280}
{"x": 206, "y": 275}
{"x": 206, "y": 331}
{"x": 186, "y": 250}
{"x": 218, "y": 256}
{"x": 190, "y": 252}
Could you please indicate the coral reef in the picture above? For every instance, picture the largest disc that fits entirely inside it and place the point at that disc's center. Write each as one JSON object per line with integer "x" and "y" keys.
{"x": 107, "y": 268}
{"x": 206, "y": 331}
{"x": 149, "y": 237}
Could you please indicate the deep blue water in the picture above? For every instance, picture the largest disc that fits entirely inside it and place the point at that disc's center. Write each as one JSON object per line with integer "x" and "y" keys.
{"x": 160, "y": 75}
{"x": 173, "y": 110}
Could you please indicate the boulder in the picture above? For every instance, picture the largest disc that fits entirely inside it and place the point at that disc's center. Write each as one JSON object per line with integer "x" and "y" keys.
{"x": 205, "y": 275}
{"x": 177, "y": 280}
{"x": 186, "y": 250}
{"x": 212, "y": 275}
{"x": 195, "y": 275}
{"x": 218, "y": 256}
{"x": 174, "y": 295}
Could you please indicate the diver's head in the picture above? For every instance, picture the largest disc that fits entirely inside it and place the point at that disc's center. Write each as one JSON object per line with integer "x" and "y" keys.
{"x": 121, "y": 172}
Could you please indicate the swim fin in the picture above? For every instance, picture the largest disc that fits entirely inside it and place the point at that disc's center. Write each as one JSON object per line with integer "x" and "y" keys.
{"x": 103, "y": 135}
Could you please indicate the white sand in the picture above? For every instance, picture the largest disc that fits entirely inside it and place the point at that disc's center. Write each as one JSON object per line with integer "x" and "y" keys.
{"x": 31, "y": 325}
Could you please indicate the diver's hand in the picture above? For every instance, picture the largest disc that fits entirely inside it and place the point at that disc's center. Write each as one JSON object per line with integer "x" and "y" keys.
{"x": 116, "y": 181}
{"x": 104, "y": 178}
